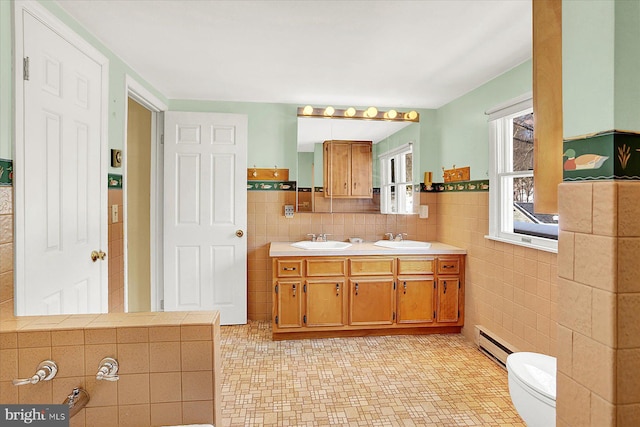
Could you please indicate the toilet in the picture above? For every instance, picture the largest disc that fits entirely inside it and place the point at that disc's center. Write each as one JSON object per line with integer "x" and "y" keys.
{"x": 532, "y": 386}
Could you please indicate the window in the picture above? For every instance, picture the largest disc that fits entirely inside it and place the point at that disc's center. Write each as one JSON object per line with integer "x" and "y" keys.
{"x": 396, "y": 180}
{"x": 511, "y": 215}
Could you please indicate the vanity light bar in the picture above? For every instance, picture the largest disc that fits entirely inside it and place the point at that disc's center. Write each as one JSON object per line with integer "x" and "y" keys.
{"x": 371, "y": 113}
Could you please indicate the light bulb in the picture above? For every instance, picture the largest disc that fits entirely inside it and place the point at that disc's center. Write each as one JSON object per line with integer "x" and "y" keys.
{"x": 329, "y": 111}
{"x": 308, "y": 110}
{"x": 391, "y": 114}
{"x": 371, "y": 112}
{"x": 350, "y": 112}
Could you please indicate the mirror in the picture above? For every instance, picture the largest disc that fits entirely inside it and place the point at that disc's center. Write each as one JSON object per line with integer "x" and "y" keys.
{"x": 386, "y": 137}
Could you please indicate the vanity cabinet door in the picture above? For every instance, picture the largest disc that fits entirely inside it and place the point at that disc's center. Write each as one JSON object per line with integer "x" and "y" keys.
{"x": 448, "y": 289}
{"x": 289, "y": 299}
{"x": 337, "y": 169}
{"x": 416, "y": 299}
{"x": 371, "y": 301}
{"x": 361, "y": 169}
{"x": 325, "y": 299}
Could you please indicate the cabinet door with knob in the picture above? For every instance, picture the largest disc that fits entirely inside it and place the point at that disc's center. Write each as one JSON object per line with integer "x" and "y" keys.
{"x": 371, "y": 301}
{"x": 448, "y": 310}
{"x": 415, "y": 299}
{"x": 289, "y": 300}
{"x": 325, "y": 302}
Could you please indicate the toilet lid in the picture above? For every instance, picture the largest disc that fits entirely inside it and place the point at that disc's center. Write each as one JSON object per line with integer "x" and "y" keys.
{"x": 536, "y": 370}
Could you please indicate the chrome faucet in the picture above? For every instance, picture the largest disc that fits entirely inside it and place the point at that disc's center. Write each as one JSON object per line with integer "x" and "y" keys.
{"x": 313, "y": 237}
{"x": 76, "y": 401}
{"x": 400, "y": 237}
{"x": 322, "y": 237}
{"x": 389, "y": 236}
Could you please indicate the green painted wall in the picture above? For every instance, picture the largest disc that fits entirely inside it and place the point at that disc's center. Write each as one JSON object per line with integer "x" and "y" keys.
{"x": 305, "y": 169}
{"x": 273, "y": 130}
{"x": 627, "y": 65}
{"x": 117, "y": 71}
{"x": 461, "y": 126}
{"x": 588, "y": 62}
{"x": 6, "y": 87}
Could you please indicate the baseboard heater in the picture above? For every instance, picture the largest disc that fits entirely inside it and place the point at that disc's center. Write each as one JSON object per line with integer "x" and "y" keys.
{"x": 493, "y": 346}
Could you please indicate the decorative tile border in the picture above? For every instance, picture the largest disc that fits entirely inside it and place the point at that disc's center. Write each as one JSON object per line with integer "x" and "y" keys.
{"x": 6, "y": 172}
{"x": 602, "y": 156}
{"x": 271, "y": 186}
{"x": 115, "y": 181}
{"x": 461, "y": 186}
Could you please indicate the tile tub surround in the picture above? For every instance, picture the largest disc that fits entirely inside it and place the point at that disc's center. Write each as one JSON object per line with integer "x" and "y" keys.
{"x": 170, "y": 365}
{"x": 427, "y": 380}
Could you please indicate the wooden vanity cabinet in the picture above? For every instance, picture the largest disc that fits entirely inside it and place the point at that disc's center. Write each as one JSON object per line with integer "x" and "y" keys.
{"x": 321, "y": 296}
{"x": 348, "y": 169}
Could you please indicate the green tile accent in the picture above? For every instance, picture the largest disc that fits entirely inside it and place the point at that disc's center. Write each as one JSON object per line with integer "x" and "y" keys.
{"x": 461, "y": 186}
{"x": 271, "y": 186}
{"x": 6, "y": 172}
{"x": 115, "y": 181}
{"x": 610, "y": 155}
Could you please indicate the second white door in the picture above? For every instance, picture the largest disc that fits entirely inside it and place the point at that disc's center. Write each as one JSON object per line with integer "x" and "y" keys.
{"x": 205, "y": 214}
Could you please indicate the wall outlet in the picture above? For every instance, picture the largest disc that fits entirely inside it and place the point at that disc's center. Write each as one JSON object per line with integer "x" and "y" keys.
{"x": 288, "y": 211}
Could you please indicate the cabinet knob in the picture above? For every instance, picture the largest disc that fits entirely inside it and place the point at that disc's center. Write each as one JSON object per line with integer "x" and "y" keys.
{"x": 294, "y": 290}
{"x": 405, "y": 288}
{"x": 289, "y": 268}
{"x": 356, "y": 289}
{"x": 337, "y": 289}
{"x": 445, "y": 288}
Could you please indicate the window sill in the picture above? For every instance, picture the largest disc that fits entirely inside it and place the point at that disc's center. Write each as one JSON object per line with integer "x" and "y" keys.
{"x": 531, "y": 245}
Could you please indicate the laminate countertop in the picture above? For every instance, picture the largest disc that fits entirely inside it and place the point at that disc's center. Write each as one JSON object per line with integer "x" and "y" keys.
{"x": 284, "y": 249}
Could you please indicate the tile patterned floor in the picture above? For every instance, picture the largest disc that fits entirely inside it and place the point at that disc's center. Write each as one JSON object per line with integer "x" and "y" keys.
{"x": 427, "y": 380}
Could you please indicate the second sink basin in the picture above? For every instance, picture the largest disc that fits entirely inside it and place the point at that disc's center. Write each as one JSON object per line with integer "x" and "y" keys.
{"x": 331, "y": 244}
{"x": 402, "y": 244}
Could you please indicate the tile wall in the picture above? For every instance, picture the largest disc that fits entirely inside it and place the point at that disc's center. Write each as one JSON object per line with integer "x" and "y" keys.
{"x": 170, "y": 367}
{"x": 599, "y": 278}
{"x": 510, "y": 290}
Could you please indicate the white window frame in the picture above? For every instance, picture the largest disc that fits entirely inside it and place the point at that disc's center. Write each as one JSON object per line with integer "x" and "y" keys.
{"x": 397, "y": 154}
{"x": 501, "y": 176}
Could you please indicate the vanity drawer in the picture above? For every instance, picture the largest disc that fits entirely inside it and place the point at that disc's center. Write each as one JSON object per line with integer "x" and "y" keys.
{"x": 371, "y": 266}
{"x": 289, "y": 267}
{"x": 449, "y": 265}
{"x": 317, "y": 267}
{"x": 416, "y": 265}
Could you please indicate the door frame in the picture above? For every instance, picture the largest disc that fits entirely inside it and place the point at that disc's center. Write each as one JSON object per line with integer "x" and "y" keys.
{"x": 47, "y": 18}
{"x": 135, "y": 90}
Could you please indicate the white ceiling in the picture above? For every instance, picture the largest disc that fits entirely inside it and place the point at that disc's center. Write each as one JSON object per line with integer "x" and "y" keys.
{"x": 386, "y": 53}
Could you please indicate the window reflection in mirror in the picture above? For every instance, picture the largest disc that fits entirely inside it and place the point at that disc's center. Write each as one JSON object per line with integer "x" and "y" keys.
{"x": 397, "y": 184}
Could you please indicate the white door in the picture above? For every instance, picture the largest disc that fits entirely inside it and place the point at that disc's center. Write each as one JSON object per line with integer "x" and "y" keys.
{"x": 205, "y": 214}
{"x": 60, "y": 177}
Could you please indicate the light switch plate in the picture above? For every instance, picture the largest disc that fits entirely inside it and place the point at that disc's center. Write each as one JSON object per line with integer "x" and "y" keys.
{"x": 114, "y": 214}
{"x": 288, "y": 211}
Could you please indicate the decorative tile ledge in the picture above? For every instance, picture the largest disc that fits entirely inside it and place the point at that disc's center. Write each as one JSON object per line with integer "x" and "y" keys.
{"x": 271, "y": 186}
{"x": 461, "y": 186}
{"x": 610, "y": 155}
{"x": 6, "y": 172}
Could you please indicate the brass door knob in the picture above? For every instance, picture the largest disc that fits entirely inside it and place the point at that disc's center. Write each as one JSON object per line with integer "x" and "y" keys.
{"x": 96, "y": 255}
{"x": 239, "y": 233}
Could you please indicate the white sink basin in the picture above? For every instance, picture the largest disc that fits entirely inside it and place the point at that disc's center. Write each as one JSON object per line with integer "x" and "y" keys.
{"x": 331, "y": 244}
{"x": 402, "y": 244}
